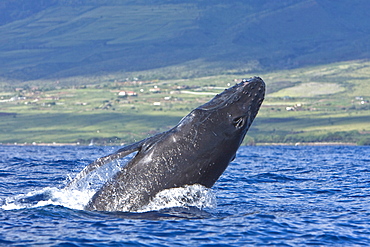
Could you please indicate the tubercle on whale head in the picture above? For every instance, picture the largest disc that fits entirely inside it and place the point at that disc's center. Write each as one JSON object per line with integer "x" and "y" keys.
{"x": 246, "y": 92}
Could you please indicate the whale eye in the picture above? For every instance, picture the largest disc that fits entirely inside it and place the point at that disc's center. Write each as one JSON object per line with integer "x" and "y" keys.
{"x": 238, "y": 122}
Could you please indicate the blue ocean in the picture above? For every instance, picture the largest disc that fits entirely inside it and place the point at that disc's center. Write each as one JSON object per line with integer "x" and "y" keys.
{"x": 269, "y": 195}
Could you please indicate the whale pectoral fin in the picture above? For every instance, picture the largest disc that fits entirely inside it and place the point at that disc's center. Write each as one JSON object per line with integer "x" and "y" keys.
{"x": 105, "y": 160}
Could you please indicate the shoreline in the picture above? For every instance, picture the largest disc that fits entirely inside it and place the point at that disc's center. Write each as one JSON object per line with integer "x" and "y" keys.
{"x": 256, "y": 144}
{"x": 42, "y": 144}
{"x": 308, "y": 144}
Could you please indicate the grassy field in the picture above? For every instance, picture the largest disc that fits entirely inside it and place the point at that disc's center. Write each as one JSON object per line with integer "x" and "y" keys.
{"x": 328, "y": 103}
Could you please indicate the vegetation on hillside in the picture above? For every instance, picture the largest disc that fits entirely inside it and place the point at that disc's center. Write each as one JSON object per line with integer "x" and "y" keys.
{"x": 328, "y": 103}
{"x": 71, "y": 40}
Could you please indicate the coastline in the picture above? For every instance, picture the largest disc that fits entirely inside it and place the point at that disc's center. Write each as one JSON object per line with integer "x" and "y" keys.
{"x": 42, "y": 144}
{"x": 309, "y": 144}
{"x": 256, "y": 144}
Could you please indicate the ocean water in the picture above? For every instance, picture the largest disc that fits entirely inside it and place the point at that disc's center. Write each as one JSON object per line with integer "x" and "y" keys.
{"x": 269, "y": 195}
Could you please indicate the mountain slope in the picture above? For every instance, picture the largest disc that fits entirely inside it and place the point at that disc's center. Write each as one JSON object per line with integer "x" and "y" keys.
{"x": 59, "y": 38}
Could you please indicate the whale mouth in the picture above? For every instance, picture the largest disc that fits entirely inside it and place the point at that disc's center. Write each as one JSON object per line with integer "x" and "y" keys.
{"x": 248, "y": 92}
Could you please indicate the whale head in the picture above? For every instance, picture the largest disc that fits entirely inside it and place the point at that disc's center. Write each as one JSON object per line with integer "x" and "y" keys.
{"x": 216, "y": 129}
{"x": 238, "y": 105}
{"x": 230, "y": 113}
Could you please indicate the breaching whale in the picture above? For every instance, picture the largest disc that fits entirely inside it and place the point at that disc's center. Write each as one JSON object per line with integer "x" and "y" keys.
{"x": 196, "y": 151}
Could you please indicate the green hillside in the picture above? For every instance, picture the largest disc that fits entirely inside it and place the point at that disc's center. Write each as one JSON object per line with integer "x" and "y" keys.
{"x": 68, "y": 40}
{"x": 328, "y": 103}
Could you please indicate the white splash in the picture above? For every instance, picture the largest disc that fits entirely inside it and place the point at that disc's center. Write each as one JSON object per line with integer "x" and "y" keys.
{"x": 95, "y": 179}
{"x": 187, "y": 196}
{"x": 74, "y": 199}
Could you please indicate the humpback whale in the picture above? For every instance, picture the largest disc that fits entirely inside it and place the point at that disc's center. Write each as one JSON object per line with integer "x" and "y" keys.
{"x": 196, "y": 151}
